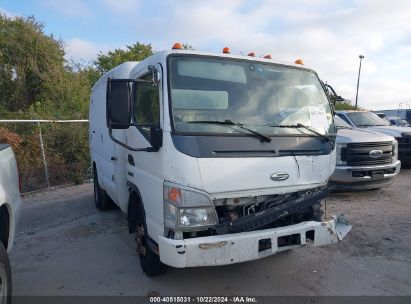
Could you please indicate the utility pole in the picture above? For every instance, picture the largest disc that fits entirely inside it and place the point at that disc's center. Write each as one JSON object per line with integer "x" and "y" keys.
{"x": 358, "y": 81}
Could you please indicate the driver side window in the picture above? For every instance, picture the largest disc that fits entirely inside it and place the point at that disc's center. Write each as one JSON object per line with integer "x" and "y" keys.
{"x": 147, "y": 106}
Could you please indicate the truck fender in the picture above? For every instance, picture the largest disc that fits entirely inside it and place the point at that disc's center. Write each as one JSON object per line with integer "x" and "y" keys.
{"x": 134, "y": 201}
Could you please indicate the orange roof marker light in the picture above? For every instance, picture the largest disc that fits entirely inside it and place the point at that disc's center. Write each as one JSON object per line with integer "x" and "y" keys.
{"x": 268, "y": 56}
{"x": 299, "y": 61}
{"x": 177, "y": 46}
{"x": 226, "y": 50}
{"x": 252, "y": 54}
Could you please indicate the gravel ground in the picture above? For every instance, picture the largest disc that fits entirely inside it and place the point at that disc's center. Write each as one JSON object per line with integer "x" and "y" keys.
{"x": 65, "y": 247}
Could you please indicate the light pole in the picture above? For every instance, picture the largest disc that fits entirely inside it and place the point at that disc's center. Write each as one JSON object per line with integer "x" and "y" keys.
{"x": 358, "y": 82}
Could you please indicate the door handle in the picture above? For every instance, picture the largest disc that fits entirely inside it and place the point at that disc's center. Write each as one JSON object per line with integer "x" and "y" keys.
{"x": 113, "y": 158}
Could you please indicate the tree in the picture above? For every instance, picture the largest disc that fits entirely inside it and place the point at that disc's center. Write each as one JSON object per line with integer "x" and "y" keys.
{"x": 344, "y": 105}
{"x": 135, "y": 52}
{"x": 29, "y": 59}
{"x": 35, "y": 79}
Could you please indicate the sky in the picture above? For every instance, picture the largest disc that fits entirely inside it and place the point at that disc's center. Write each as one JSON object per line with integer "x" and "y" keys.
{"x": 328, "y": 35}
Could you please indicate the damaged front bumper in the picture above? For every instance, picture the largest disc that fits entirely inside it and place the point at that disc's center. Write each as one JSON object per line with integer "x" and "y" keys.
{"x": 246, "y": 246}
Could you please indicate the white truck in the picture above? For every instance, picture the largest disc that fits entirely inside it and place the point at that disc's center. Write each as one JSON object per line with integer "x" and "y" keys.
{"x": 365, "y": 159}
{"x": 371, "y": 121}
{"x": 214, "y": 158}
{"x": 10, "y": 209}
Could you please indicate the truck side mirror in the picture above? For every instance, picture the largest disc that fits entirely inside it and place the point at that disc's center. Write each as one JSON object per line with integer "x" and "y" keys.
{"x": 118, "y": 103}
{"x": 119, "y": 112}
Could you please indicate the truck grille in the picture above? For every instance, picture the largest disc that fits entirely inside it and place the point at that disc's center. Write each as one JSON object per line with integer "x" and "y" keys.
{"x": 358, "y": 154}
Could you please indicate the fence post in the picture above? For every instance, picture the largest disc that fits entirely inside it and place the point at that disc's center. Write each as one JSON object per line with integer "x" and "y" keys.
{"x": 43, "y": 154}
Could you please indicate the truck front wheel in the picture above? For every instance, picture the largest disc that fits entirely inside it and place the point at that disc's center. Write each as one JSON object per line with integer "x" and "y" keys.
{"x": 149, "y": 260}
{"x": 5, "y": 276}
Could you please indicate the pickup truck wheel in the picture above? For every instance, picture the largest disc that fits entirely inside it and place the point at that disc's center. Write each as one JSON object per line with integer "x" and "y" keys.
{"x": 101, "y": 199}
{"x": 5, "y": 276}
{"x": 149, "y": 260}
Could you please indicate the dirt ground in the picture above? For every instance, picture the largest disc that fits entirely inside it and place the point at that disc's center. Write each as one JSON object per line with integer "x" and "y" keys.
{"x": 65, "y": 247}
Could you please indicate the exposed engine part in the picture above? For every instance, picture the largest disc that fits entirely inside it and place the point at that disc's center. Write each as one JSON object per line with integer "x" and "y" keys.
{"x": 249, "y": 206}
{"x": 232, "y": 215}
{"x": 294, "y": 210}
{"x": 227, "y": 211}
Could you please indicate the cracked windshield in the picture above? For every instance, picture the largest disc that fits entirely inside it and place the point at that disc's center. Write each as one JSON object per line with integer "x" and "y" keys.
{"x": 220, "y": 96}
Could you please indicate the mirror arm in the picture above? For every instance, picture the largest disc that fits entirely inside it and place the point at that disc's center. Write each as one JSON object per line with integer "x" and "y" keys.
{"x": 154, "y": 74}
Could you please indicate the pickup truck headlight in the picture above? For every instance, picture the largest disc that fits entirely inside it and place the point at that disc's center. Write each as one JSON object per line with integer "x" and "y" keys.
{"x": 187, "y": 208}
{"x": 341, "y": 155}
{"x": 394, "y": 150}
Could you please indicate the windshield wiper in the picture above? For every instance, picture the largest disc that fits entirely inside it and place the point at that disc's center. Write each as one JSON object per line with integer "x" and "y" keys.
{"x": 301, "y": 126}
{"x": 228, "y": 122}
{"x": 368, "y": 125}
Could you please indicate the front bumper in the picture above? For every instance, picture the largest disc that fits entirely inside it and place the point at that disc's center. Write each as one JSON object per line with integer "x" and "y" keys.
{"x": 246, "y": 246}
{"x": 364, "y": 177}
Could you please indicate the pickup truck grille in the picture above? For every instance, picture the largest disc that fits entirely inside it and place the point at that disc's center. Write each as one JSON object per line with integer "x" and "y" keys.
{"x": 358, "y": 154}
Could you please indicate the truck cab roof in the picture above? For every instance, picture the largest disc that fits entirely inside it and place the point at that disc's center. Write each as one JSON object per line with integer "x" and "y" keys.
{"x": 126, "y": 69}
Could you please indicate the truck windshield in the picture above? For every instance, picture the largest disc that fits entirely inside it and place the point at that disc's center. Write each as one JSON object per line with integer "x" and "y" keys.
{"x": 339, "y": 123}
{"x": 366, "y": 119}
{"x": 254, "y": 94}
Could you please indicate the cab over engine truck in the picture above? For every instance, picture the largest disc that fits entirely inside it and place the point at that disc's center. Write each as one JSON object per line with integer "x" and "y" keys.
{"x": 214, "y": 158}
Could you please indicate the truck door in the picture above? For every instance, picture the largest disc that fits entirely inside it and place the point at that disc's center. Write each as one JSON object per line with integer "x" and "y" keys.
{"x": 135, "y": 166}
{"x": 146, "y": 172}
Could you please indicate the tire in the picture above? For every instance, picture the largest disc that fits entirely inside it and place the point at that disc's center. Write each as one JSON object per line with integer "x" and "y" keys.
{"x": 5, "y": 276}
{"x": 149, "y": 260}
{"x": 101, "y": 200}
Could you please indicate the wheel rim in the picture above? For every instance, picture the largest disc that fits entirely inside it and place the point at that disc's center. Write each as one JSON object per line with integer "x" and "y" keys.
{"x": 3, "y": 284}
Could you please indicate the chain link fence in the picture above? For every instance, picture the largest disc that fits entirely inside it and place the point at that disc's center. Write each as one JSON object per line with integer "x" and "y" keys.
{"x": 49, "y": 152}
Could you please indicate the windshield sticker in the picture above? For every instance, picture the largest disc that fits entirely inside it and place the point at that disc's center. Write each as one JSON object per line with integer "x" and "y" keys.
{"x": 318, "y": 118}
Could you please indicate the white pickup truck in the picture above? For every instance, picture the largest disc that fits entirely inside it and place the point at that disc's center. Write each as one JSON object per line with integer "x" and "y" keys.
{"x": 10, "y": 208}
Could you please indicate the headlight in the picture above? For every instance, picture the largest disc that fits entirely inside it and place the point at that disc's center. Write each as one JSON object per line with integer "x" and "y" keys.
{"x": 394, "y": 150}
{"x": 186, "y": 208}
{"x": 341, "y": 159}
